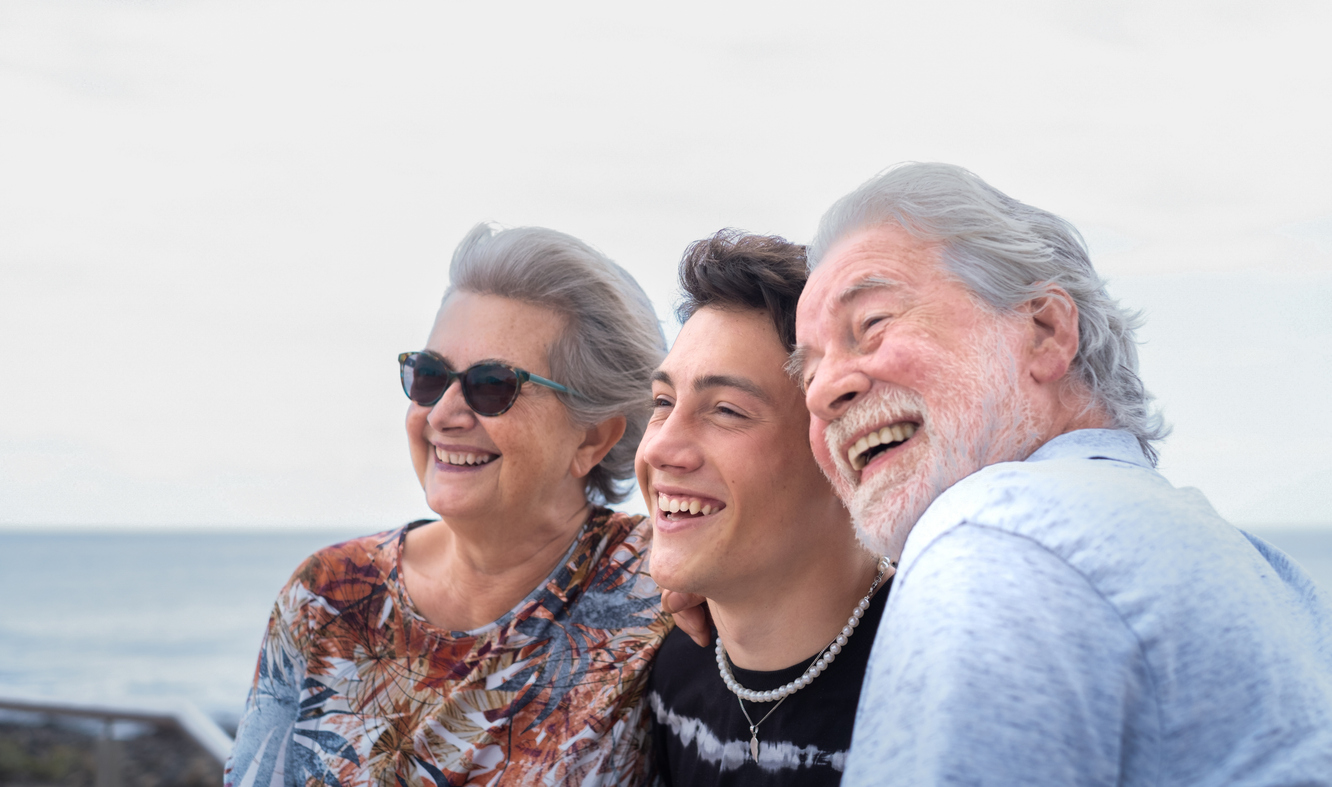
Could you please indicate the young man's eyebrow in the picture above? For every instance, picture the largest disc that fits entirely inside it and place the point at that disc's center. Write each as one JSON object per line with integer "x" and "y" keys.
{"x": 731, "y": 381}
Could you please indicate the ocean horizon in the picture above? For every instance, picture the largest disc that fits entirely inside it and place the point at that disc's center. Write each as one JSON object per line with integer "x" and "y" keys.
{"x": 106, "y": 615}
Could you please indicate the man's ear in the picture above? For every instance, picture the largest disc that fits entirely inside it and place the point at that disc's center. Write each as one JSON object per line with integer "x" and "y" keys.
{"x": 598, "y": 440}
{"x": 1053, "y": 329}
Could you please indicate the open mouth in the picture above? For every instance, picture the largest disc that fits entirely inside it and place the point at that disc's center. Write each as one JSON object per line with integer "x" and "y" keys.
{"x": 459, "y": 459}
{"x": 875, "y": 443}
{"x": 676, "y": 508}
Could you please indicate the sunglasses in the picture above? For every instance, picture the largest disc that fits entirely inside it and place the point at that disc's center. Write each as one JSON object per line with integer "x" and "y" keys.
{"x": 488, "y": 388}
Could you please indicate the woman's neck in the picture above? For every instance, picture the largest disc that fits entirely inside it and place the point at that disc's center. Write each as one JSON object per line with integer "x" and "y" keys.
{"x": 463, "y": 575}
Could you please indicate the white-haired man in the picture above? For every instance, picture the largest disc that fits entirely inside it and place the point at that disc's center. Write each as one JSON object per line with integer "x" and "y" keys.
{"x": 1061, "y": 614}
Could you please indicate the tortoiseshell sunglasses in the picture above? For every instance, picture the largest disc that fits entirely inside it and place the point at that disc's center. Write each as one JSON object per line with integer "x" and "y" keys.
{"x": 488, "y": 388}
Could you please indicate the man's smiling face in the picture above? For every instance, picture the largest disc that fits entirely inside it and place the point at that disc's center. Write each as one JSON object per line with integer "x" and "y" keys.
{"x": 737, "y": 500}
{"x": 912, "y": 384}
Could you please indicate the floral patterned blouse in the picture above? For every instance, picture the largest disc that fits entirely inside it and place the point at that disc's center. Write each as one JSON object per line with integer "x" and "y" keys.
{"x": 354, "y": 688}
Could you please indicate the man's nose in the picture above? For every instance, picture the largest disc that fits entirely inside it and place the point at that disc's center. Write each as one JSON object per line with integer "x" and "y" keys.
{"x": 671, "y": 446}
{"x": 836, "y": 385}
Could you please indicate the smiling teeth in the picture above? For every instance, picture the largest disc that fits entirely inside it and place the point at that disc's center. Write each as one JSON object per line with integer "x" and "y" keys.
{"x": 888, "y": 435}
{"x": 463, "y": 458}
{"x": 683, "y": 505}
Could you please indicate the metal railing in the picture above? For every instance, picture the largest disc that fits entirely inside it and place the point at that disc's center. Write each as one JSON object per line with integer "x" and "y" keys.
{"x": 180, "y": 714}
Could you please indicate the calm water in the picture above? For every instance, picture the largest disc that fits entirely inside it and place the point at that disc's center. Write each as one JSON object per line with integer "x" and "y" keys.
{"x": 112, "y": 615}
{"x": 109, "y": 615}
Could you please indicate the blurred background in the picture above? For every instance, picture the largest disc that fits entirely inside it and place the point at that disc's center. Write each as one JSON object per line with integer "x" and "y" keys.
{"x": 221, "y": 221}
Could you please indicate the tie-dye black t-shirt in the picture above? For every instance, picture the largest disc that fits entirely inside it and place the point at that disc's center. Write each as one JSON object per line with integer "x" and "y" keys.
{"x": 701, "y": 737}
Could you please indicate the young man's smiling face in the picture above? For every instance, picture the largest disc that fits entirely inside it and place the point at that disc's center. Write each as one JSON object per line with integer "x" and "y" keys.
{"x": 912, "y": 383}
{"x": 725, "y": 464}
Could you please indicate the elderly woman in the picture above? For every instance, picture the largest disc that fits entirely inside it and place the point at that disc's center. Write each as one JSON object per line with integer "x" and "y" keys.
{"x": 507, "y": 642}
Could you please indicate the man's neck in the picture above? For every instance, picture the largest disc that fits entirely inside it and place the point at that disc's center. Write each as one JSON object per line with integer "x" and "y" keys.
{"x": 788, "y": 620}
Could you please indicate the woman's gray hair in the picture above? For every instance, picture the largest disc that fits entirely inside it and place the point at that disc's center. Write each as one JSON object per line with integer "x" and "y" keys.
{"x": 610, "y": 347}
{"x": 1007, "y": 253}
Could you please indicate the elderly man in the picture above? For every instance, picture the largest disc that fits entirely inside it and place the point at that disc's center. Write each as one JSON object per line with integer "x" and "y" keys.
{"x": 742, "y": 515}
{"x": 1061, "y": 614}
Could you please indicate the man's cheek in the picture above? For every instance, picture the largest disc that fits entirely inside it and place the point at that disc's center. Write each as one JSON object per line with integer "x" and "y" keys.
{"x": 817, "y": 444}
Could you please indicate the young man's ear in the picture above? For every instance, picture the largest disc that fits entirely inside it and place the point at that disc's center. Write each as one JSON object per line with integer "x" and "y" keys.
{"x": 1054, "y": 334}
{"x": 597, "y": 442}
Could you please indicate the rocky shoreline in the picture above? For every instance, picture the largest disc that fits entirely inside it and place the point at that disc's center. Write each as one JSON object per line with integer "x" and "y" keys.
{"x": 53, "y": 753}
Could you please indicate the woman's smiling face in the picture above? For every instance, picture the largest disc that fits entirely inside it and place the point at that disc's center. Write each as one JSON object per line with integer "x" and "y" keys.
{"x": 509, "y": 465}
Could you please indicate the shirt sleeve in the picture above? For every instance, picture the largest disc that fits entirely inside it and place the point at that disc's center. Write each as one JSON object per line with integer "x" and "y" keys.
{"x": 997, "y": 664}
{"x": 264, "y": 738}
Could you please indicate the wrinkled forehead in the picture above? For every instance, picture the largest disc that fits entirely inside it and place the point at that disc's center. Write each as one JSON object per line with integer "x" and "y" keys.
{"x": 869, "y": 264}
{"x": 873, "y": 259}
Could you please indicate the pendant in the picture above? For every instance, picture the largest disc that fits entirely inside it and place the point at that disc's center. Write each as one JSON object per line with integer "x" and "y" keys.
{"x": 753, "y": 744}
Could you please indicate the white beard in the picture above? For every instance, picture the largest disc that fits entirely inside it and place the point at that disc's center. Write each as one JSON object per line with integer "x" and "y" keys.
{"x": 979, "y": 418}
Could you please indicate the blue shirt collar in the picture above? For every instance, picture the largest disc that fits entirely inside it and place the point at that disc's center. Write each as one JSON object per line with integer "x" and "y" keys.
{"x": 952, "y": 508}
{"x": 1093, "y": 444}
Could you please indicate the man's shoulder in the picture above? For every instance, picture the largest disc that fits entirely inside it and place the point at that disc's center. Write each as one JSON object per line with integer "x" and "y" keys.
{"x": 679, "y": 663}
{"x": 1122, "y": 530}
{"x": 1107, "y": 515}
{"x": 1068, "y": 500}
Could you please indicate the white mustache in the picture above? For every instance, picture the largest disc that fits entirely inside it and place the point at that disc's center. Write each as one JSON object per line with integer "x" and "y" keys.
{"x": 886, "y": 406}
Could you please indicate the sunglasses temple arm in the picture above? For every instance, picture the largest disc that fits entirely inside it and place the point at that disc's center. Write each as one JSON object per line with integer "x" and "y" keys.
{"x": 539, "y": 380}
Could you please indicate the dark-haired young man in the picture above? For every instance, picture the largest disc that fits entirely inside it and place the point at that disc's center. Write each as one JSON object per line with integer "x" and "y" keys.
{"x": 743, "y": 516}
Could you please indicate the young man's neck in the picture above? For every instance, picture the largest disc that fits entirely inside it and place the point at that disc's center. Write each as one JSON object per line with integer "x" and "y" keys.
{"x": 789, "y": 615}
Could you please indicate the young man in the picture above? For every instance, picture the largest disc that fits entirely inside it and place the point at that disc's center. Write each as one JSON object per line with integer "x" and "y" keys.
{"x": 743, "y": 516}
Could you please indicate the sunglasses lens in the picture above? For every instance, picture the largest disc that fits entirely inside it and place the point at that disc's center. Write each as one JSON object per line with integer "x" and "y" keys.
{"x": 423, "y": 378}
{"x": 490, "y": 390}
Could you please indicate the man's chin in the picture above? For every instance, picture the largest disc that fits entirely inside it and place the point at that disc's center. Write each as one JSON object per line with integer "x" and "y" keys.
{"x": 882, "y": 529}
{"x": 884, "y": 512}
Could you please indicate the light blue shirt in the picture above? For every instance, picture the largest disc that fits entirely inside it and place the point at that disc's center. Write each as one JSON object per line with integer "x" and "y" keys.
{"x": 1076, "y": 620}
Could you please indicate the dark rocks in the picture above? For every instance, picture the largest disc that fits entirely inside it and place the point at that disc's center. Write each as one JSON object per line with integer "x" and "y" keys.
{"x": 54, "y": 754}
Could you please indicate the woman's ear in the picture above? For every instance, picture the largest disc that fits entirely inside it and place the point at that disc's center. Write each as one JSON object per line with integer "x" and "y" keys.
{"x": 598, "y": 440}
{"x": 1054, "y": 335}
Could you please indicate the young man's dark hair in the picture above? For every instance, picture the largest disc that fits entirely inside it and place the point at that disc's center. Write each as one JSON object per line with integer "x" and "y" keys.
{"x": 733, "y": 268}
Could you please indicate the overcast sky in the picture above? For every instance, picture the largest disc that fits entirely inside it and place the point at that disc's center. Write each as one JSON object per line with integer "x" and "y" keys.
{"x": 220, "y": 221}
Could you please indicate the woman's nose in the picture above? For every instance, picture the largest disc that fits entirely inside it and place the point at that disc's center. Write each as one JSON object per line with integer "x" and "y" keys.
{"x": 451, "y": 411}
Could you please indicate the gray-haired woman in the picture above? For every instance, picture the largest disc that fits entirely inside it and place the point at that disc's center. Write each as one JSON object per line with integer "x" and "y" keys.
{"x": 507, "y": 642}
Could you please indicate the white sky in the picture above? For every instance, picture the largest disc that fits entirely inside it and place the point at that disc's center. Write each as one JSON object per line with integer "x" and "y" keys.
{"x": 220, "y": 221}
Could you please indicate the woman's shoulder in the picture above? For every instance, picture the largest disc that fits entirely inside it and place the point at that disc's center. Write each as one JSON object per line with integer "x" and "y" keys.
{"x": 621, "y": 531}
{"x": 349, "y": 570}
{"x": 616, "y": 547}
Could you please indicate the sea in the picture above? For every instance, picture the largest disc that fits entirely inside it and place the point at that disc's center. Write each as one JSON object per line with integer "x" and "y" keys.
{"x": 107, "y": 616}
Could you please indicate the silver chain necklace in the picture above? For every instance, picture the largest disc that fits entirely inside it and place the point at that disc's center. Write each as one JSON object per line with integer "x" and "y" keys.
{"x": 816, "y": 667}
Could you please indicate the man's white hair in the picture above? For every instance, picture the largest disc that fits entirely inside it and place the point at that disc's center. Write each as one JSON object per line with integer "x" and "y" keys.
{"x": 1007, "y": 253}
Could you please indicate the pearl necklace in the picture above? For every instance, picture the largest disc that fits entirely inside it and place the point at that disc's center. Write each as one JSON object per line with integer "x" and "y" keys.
{"x": 816, "y": 667}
